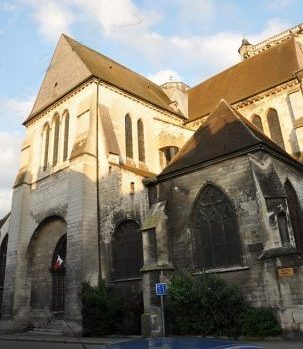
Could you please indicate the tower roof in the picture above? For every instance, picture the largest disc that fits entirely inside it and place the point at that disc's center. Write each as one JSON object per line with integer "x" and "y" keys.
{"x": 74, "y": 63}
{"x": 225, "y": 133}
{"x": 254, "y": 75}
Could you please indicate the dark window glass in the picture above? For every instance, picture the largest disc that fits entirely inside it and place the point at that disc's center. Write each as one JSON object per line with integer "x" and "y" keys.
{"x": 66, "y": 135}
{"x": 46, "y": 147}
{"x": 275, "y": 128}
{"x": 295, "y": 213}
{"x": 141, "y": 147}
{"x": 128, "y": 137}
{"x": 56, "y": 141}
{"x": 217, "y": 242}
{"x": 127, "y": 251}
{"x": 257, "y": 122}
{"x": 3, "y": 253}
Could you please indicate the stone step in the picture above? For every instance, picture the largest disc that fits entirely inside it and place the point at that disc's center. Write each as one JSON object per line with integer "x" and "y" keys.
{"x": 44, "y": 332}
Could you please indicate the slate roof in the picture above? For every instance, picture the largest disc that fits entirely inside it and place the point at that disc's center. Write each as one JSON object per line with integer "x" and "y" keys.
{"x": 225, "y": 132}
{"x": 74, "y": 63}
{"x": 247, "y": 78}
{"x": 3, "y": 220}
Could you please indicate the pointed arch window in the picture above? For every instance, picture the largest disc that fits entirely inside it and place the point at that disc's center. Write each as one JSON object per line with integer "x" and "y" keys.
{"x": 275, "y": 128}
{"x": 3, "y": 253}
{"x": 256, "y": 120}
{"x": 127, "y": 251}
{"x": 141, "y": 146}
{"x": 56, "y": 127}
{"x": 295, "y": 213}
{"x": 215, "y": 227}
{"x": 66, "y": 136}
{"x": 46, "y": 146}
{"x": 128, "y": 137}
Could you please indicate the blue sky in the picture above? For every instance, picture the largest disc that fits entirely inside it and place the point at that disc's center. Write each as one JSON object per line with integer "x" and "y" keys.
{"x": 187, "y": 40}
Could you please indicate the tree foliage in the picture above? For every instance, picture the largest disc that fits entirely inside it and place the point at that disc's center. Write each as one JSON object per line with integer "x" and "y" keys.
{"x": 205, "y": 305}
{"x": 102, "y": 310}
{"x": 260, "y": 322}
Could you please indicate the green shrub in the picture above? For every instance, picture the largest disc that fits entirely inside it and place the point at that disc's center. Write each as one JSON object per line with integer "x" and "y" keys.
{"x": 102, "y": 310}
{"x": 260, "y": 322}
{"x": 205, "y": 305}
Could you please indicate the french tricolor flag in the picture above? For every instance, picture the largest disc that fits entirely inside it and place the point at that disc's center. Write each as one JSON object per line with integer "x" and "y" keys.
{"x": 58, "y": 262}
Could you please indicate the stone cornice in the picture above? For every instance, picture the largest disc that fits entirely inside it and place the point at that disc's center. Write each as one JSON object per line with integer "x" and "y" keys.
{"x": 88, "y": 82}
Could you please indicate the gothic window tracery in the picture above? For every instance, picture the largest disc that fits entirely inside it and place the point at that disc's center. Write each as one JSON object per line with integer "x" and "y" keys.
{"x": 275, "y": 128}
{"x": 217, "y": 241}
{"x": 66, "y": 135}
{"x": 127, "y": 251}
{"x": 56, "y": 126}
{"x": 141, "y": 146}
{"x": 128, "y": 137}
{"x": 256, "y": 120}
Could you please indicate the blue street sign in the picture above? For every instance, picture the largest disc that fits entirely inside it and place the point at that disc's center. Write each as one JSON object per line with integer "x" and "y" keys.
{"x": 161, "y": 289}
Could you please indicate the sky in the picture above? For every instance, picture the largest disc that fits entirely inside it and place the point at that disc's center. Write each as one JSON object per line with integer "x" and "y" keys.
{"x": 180, "y": 40}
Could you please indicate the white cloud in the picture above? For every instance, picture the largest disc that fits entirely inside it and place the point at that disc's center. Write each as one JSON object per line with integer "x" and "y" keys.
{"x": 12, "y": 113}
{"x": 52, "y": 17}
{"x": 164, "y": 76}
{"x": 10, "y": 143}
{"x": 15, "y": 109}
{"x": 272, "y": 27}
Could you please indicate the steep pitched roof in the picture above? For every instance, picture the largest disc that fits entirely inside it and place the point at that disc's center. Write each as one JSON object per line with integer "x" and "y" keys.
{"x": 247, "y": 78}
{"x": 73, "y": 63}
{"x": 226, "y": 132}
{"x": 3, "y": 220}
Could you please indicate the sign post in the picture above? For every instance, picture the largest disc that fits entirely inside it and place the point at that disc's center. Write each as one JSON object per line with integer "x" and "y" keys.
{"x": 161, "y": 290}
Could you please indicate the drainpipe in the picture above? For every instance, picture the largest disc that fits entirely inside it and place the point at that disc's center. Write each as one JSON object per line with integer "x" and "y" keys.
{"x": 98, "y": 187}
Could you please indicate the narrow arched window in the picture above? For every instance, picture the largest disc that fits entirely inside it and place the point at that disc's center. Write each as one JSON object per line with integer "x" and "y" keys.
{"x": 46, "y": 146}
{"x": 56, "y": 140}
{"x": 295, "y": 213}
{"x": 215, "y": 227}
{"x": 141, "y": 147}
{"x": 127, "y": 251}
{"x": 275, "y": 128}
{"x": 128, "y": 137}
{"x": 256, "y": 120}
{"x": 3, "y": 253}
{"x": 66, "y": 135}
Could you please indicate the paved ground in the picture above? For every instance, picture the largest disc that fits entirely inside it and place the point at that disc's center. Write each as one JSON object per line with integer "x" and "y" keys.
{"x": 50, "y": 342}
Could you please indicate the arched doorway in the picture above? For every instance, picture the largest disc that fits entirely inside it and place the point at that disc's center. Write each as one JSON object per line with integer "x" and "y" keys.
{"x": 58, "y": 269}
{"x": 127, "y": 260}
{"x": 47, "y": 242}
{"x": 215, "y": 227}
{"x": 3, "y": 252}
{"x": 295, "y": 214}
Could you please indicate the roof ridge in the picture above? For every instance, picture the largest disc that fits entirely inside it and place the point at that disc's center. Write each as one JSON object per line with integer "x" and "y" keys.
{"x": 243, "y": 61}
{"x": 79, "y": 44}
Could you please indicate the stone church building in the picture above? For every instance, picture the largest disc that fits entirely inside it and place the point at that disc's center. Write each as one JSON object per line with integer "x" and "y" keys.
{"x": 130, "y": 182}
